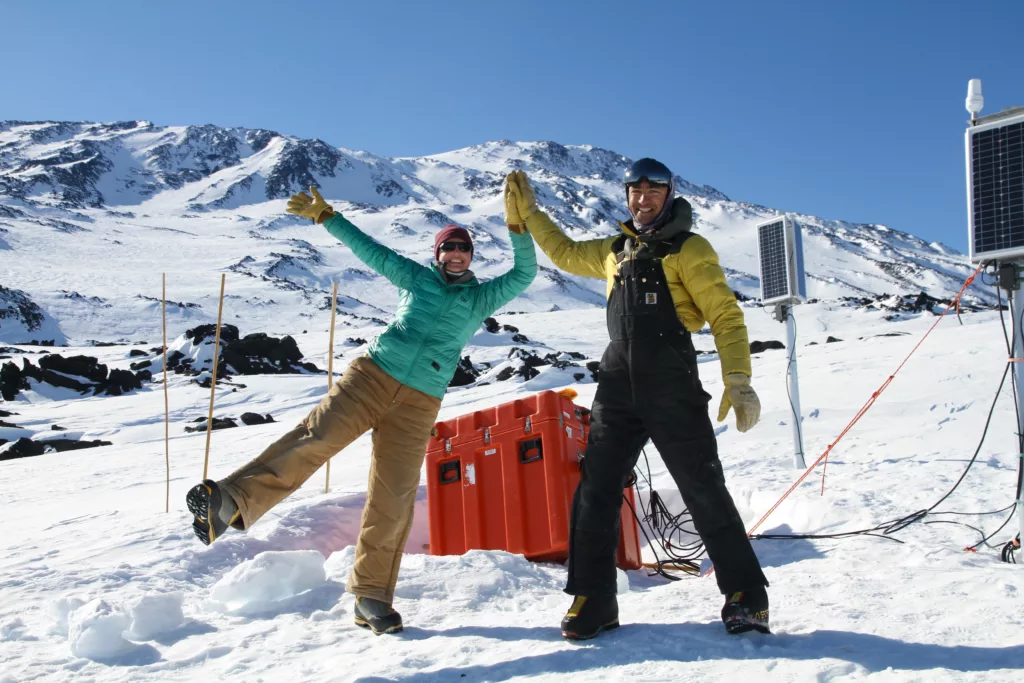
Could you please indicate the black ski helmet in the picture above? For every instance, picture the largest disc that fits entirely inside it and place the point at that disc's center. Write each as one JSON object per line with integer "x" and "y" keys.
{"x": 651, "y": 170}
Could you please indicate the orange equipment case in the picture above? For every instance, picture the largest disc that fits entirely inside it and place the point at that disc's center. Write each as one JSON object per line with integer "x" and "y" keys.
{"x": 503, "y": 479}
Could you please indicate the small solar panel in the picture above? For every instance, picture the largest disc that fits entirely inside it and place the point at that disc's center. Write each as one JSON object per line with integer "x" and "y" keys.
{"x": 995, "y": 187}
{"x": 781, "y": 258}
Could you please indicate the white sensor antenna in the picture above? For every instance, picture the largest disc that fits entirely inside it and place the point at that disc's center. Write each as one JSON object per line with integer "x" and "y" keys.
{"x": 975, "y": 101}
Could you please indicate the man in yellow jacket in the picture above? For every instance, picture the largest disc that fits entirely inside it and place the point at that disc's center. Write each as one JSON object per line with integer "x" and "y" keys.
{"x": 663, "y": 283}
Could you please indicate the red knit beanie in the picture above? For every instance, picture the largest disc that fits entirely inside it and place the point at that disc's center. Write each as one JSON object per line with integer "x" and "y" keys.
{"x": 447, "y": 233}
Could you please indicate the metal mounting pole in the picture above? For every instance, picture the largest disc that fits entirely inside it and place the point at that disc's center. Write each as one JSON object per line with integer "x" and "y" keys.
{"x": 784, "y": 312}
{"x": 1017, "y": 311}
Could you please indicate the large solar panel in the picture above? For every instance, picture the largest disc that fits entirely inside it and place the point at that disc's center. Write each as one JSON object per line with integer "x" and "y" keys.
{"x": 995, "y": 159}
{"x": 781, "y": 258}
{"x": 771, "y": 240}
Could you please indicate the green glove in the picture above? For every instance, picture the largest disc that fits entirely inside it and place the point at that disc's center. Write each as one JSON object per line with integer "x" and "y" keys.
{"x": 314, "y": 208}
{"x": 741, "y": 397}
{"x": 518, "y": 186}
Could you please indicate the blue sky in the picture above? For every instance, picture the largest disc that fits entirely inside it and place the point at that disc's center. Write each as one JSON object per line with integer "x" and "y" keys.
{"x": 843, "y": 109}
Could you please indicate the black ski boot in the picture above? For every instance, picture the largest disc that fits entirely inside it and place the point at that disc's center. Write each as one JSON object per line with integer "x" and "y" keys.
{"x": 746, "y": 611}
{"x": 214, "y": 512}
{"x": 588, "y": 616}
{"x": 377, "y": 616}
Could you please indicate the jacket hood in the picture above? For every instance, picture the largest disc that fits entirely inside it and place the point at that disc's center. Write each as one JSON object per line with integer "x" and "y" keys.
{"x": 680, "y": 221}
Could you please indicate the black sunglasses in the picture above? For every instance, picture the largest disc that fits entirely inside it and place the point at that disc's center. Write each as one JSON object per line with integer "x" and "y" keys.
{"x": 464, "y": 247}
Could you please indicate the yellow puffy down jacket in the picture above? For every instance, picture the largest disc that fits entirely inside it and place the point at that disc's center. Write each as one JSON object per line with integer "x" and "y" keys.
{"x": 698, "y": 285}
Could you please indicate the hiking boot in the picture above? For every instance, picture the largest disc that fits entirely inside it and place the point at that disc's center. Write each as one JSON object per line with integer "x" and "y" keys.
{"x": 746, "y": 611}
{"x": 588, "y": 616}
{"x": 377, "y": 616}
{"x": 214, "y": 512}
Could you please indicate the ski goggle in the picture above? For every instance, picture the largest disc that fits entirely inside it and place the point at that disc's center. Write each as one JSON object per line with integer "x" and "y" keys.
{"x": 655, "y": 181}
{"x": 464, "y": 247}
{"x": 654, "y": 172}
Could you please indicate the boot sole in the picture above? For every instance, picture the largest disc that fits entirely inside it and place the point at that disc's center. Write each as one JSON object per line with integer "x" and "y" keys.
{"x": 746, "y": 627}
{"x": 587, "y": 636}
{"x": 363, "y": 623}
{"x": 198, "y": 502}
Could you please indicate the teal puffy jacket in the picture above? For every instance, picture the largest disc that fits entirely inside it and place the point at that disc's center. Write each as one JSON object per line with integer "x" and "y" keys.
{"x": 435, "y": 320}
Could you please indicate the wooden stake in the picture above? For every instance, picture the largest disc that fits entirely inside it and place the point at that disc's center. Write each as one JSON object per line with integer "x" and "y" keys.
{"x": 167, "y": 404}
{"x": 330, "y": 367}
{"x": 213, "y": 381}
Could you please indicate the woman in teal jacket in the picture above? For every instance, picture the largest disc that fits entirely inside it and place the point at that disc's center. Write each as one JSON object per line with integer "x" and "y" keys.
{"x": 395, "y": 390}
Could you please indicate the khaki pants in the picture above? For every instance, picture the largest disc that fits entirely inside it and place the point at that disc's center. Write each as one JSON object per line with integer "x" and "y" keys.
{"x": 401, "y": 418}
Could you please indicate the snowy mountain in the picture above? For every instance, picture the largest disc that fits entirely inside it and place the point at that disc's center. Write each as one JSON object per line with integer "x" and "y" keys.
{"x": 91, "y": 214}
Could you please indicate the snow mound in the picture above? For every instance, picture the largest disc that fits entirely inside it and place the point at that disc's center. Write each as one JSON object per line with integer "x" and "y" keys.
{"x": 269, "y": 578}
{"x": 96, "y": 631}
{"x": 61, "y": 609}
{"x": 13, "y": 629}
{"x": 155, "y": 614}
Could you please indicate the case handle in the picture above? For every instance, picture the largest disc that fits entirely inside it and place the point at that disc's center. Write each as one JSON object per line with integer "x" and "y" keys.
{"x": 451, "y": 472}
{"x": 531, "y": 445}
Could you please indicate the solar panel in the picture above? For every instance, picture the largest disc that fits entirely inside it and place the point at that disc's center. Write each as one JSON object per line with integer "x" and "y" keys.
{"x": 781, "y": 258}
{"x": 995, "y": 187}
{"x": 771, "y": 241}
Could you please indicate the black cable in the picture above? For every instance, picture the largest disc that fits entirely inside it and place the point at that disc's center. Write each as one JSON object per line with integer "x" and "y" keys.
{"x": 1008, "y": 548}
{"x": 670, "y": 528}
{"x": 886, "y": 529}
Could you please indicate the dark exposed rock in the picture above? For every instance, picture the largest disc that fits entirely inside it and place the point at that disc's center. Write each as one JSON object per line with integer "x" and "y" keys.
{"x": 832, "y": 340}
{"x": 16, "y": 305}
{"x": 57, "y": 428}
{"x": 144, "y": 375}
{"x": 218, "y": 423}
{"x": 141, "y": 365}
{"x": 134, "y": 353}
{"x": 355, "y": 341}
{"x": 465, "y": 373}
{"x": 79, "y": 366}
{"x": 256, "y": 419}
{"x": 491, "y": 325}
{"x": 53, "y": 377}
{"x": 24, "y": 448}
{"x": 759, "y": 346}
{"x": 120, "y": 382}
{"x": 228, "y": 333}
{"x": 79, "y": 373}
{"x": 510, "y": 328}
{"x": 12, "y": 380}
{"x": 259, "y": 353}
{"x": 253, "y": 354}
{"x": 909, "y": 303}
{"x": 594, "y": 367}
{"x": 297, "y": 164}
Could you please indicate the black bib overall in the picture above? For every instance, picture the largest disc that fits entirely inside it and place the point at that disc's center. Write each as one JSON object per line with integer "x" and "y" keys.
{"x": 648, "y": 388}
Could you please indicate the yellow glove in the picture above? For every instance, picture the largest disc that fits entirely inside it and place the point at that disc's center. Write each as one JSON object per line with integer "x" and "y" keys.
{"x": 314, "y": 208}
{"x": 740, "y": 395}
{"x": 512, "y": 216}
{"x": 522, "y": 195}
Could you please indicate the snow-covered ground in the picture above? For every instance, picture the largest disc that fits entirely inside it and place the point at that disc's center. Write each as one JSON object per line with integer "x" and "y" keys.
{"x": 98, "y": 582}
